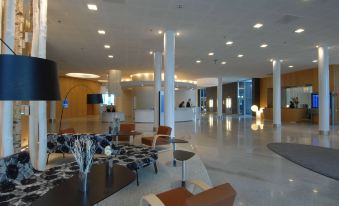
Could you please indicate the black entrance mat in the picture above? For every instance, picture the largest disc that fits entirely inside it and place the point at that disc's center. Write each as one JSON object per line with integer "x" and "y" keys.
{"x": 321, "y": 160}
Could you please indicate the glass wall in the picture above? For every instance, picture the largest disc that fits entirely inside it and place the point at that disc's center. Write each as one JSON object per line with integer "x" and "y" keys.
{"x": 245, "y": 97}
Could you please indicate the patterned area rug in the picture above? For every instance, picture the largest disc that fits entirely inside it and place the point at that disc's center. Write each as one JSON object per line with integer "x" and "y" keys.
{"x": 168, "y": 177}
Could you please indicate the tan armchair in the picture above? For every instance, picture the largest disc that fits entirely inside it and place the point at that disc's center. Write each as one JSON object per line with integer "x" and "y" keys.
{"x": 161, "y": 138}
{"x": 126, "y": 127}
{"x": 222, "y": 195}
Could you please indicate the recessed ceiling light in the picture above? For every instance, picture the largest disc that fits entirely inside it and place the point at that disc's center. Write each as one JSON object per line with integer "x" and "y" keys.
{"x": 263, "y": 45}
{"x": 223, "y": 62}
{"x": 107, "y": 46}
{"x": 103, "y": 80}
{"x": 92, "y": 7}
{"x": 300, "y": 30}
{"x": 229, "y": 43}
{"x": 110, "y": 56}
{"x": 211, "y": 54}
{"x": 83, "y": 75}
{"x": 101, "y": 32}
{"x": 258, "y": 25}
{"x": 160, "y": 32}
{"x": 198, "y": 61}
{"x": 315, "y": 191}
{"x": 178, "y": 33}
{"x": 150, "y": 52}
{"x": 315, "y": 61}
{"x": 291, "y": 66}
{"x": 291, "y": 180}
{"x": 240, "y": 55}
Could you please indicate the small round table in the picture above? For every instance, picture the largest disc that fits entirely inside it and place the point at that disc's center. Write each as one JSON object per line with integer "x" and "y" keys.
{"x": 183, "y": 155}
{"x": 173, "y": 142}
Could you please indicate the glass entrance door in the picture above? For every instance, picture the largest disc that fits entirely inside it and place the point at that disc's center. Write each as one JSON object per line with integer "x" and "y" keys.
{"x": 245, "y": 97}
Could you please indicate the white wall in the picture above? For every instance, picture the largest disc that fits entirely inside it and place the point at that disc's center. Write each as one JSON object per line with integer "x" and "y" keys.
{"x": 144, "y": 97}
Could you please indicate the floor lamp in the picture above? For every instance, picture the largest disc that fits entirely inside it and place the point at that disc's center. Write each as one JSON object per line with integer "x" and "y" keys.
{"x": 24, "y": 78}
{"x": 91, "y": 99}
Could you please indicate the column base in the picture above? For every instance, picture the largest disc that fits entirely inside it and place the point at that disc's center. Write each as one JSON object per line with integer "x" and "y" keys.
{"x": 323, "y": 132}
{"x": 276, "y": 125}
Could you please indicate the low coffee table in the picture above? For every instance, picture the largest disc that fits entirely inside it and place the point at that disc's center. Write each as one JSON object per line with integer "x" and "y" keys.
{"x": 101, "y": 185}
{"x": 183, "y": 155}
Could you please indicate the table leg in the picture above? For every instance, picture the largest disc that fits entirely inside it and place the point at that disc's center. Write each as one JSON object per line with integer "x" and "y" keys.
{"x": 174, "y": 160}
{"x": 183, "y": 174}
{"x": 131, "y": 138}
{"x": 116, "y": 140}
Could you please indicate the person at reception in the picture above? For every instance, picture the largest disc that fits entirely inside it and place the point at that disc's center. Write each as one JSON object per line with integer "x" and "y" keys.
{"x": 182, "y": 104}
{"x": 188, "y": 104}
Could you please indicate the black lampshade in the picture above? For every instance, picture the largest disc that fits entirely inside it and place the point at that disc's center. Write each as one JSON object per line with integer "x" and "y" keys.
{"x": 28, "y": 78}
{"x": 94, "y": 99}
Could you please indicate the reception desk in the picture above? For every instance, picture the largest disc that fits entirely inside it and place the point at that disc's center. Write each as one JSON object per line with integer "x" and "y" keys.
{"x": 181, "y": 115}
{"x": 109, "y": 116}
{"x": 287, "y": 114}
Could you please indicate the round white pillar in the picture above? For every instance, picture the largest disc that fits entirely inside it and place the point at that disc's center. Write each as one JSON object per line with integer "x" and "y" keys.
{"x": 324, "y": 90}
{"x": 219, "y": 97}
{"x": 157, "y": 86}
{"x": 169, "y": 67}
{"x": 276, "y": 93}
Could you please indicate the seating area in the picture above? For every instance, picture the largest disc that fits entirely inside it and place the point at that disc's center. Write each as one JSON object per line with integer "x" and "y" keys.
{"x": 21, "y": 184}
{"x": 134, "y": 157}
{"x": 169, "y": 102}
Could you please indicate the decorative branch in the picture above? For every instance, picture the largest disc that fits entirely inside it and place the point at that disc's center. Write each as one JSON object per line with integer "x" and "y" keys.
{"x": 83, "y": 151}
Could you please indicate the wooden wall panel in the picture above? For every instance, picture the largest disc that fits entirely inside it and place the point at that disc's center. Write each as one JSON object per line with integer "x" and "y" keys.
{"x": 77, "y": 98}
{"x": 294, "y": 79}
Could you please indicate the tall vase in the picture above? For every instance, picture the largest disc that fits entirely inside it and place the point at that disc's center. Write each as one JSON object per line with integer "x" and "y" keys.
{"x": 83, "y": 182}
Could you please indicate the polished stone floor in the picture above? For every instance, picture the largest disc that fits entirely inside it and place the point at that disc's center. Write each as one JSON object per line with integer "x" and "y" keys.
{"x": 234, "y": 150}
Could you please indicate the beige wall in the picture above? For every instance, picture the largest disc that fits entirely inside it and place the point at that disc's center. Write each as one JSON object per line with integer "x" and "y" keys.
{"x": 298, "y": 78}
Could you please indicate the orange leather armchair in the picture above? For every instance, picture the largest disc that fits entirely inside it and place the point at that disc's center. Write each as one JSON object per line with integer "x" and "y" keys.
{"x": 126, "y": 127}
{"x": 67, "y": 130}
{"x": 222, "y": 195}
{"x": 161, "y": 138}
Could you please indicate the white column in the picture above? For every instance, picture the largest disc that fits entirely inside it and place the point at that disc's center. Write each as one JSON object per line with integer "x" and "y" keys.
{"x": 157, "y": 86}
{"x": 324, "y": 90}
{"x": 6, "y": 111}
{"x": 276, "y": 93}
{"x": 169, "y": 67}
{"x": 219, "y": 97}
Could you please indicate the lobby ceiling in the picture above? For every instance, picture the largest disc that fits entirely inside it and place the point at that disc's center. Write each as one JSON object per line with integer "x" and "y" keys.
{"x": 131, "y": 29}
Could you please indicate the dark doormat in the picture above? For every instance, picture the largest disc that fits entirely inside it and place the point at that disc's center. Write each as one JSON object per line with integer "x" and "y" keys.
{"x": 324, "y": 161}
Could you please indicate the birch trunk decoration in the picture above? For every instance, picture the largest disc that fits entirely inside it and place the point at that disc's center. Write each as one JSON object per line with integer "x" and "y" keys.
{"x": 38, "y": 118}
{"x": 19, "y": 34}
{"x": 33, "y": 116}
{"x": 42, "y": 104}
{"x": 6, "y": 126}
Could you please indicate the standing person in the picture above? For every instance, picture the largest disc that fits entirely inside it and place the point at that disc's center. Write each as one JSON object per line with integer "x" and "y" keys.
{"x": 188, "y": 104}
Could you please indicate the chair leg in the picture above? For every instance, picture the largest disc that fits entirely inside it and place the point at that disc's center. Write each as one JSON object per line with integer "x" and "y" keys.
{"x": 47, "y": 158}
{"x": 155, "y": 167}
{"x": 136, "y": 173}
